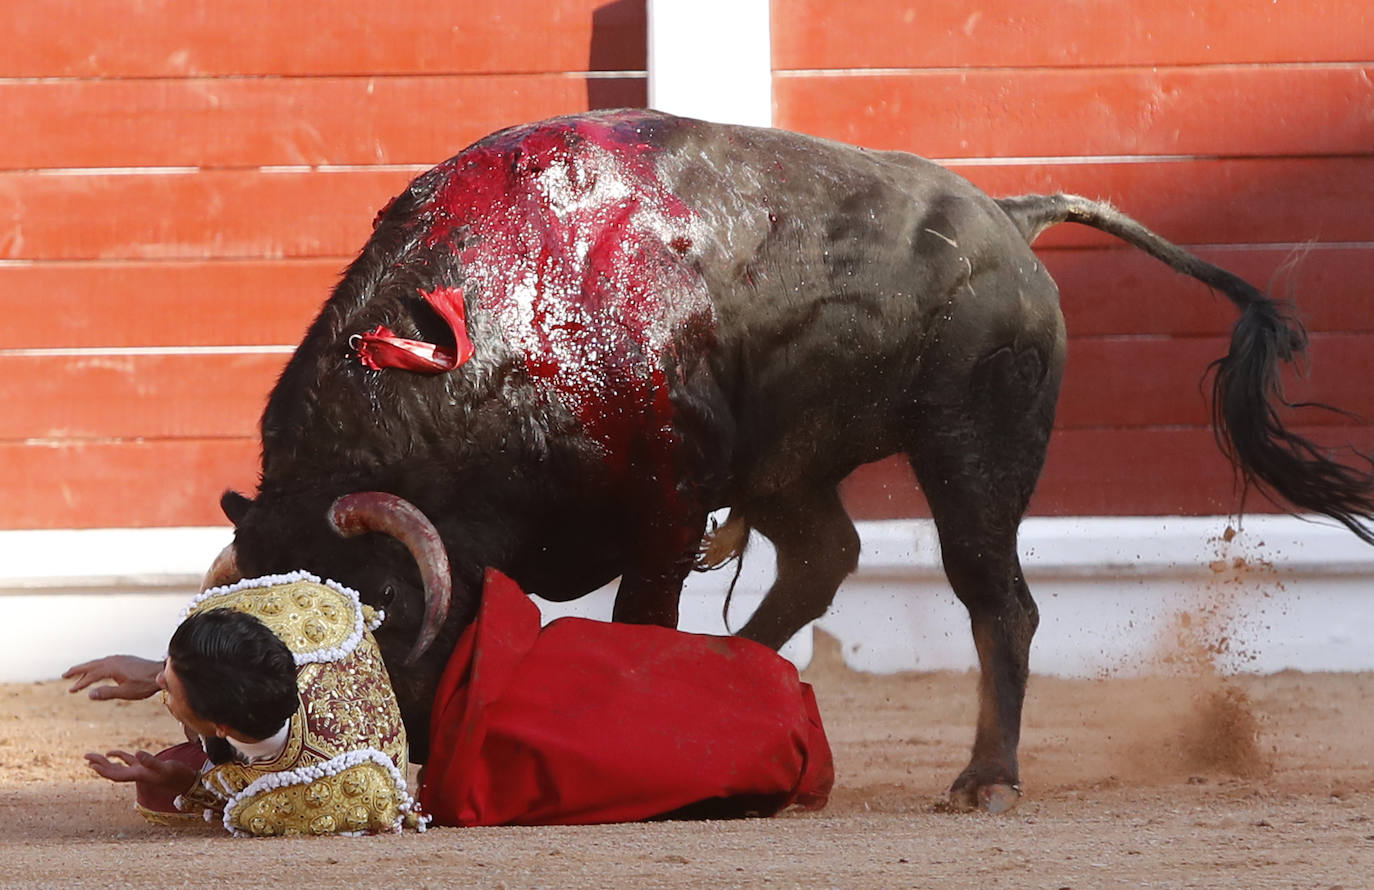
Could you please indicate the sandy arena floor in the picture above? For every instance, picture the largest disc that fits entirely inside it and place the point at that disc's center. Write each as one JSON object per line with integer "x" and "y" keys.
{"x": 1189, "y": 781}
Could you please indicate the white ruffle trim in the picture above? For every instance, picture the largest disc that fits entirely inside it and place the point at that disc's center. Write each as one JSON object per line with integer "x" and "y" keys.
{"x": 188, "y": 808}
{"x": 307, "y": 774}
{"x": 331, "y": 653}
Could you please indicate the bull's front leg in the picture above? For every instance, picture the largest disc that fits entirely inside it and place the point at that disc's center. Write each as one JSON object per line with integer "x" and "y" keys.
{"x": 666, "y": 522}
{"x": 667, "y": 496}
{"x": 651, "y": 584}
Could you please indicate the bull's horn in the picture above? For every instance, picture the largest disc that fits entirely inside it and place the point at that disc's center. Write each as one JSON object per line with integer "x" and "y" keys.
{"x": 378, "y": 511}
{"x": 224, "y": 570}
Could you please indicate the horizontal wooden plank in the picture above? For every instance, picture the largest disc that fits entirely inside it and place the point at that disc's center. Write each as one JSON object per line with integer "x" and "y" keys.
{"x": 1154, "y": 472}
{"x": 212, "y": 213}
{"x": 242, "y": 213}
{"x": 1226, "y": 111}
{"x": 178, "y": 482}
{"x": 123, "y": 484}
{"x": 1241, "y": 201}
{"x": 1125, "y": 291}
{"x": 181, "y": 38}
{"x": 1157, "y": 472}
{"x": 1158, "y": 381}
{"x": 91, "y": 305}
{"x": 135, "y": 396}
{"x": 1016, "y": 33}
{"x": 118, "y": 304}
{"x": 239, "y": 122}
{"x": 1109, "y": 382}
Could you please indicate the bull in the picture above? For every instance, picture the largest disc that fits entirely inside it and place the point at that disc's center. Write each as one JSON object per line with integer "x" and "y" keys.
{"x": 561, "y": 349}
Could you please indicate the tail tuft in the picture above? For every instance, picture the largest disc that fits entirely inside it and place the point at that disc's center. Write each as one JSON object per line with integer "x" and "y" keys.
{"x": 1247, "y": 395}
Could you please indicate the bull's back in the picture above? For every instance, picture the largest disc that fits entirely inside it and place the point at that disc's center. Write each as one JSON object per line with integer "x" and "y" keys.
{"x": 839, "y": 278}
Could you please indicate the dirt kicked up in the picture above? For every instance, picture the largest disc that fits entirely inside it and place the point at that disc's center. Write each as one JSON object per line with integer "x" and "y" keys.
{"x": 1183, "y": 781}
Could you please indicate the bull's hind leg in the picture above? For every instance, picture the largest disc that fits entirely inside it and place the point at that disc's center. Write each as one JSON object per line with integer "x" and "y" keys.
{"x": 817, "y": 547}
{"x": 977, "y": 460}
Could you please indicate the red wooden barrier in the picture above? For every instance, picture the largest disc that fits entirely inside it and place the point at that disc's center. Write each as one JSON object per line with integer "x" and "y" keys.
{"x": 877, "y": 34}
{"x": 1253, "y": 121}
{"x": 1112, "y": 382}
{"x": 1235, "y": 111}
{"x": 189, "y": 38}
{"x": 198, "y": 174}
{"x": 1247, "y": 125}
{"x": 101, "y": 483}
{"x": 140, "y": 303}
{"x": 247, "y": 122}
{"x": 247, "y": 213}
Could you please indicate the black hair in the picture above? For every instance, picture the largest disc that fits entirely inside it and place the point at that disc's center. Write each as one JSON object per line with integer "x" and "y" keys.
{"x": 235, "y": 671}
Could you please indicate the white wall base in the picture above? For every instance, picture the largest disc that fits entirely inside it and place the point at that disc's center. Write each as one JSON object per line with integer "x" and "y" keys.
{"x": 1131, "y": 595}
{"x": 1112, "y": 594}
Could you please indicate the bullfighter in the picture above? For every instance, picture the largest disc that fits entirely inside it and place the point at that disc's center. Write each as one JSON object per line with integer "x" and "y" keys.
{"x": 295, "y": 729}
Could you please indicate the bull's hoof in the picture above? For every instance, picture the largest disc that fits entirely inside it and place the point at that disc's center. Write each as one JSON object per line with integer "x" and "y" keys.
{"x": 996, "y": 798}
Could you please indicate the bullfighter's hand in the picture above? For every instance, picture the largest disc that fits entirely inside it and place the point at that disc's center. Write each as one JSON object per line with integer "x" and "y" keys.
{"x": 133, "y": 677}
{"x": 143, "y": 767}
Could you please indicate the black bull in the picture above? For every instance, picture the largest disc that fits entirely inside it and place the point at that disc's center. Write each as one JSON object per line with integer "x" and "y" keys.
{"x": 667, "y": 317}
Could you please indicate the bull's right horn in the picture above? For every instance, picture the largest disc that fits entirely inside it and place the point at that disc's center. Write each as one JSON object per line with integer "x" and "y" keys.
{"x": 379, "y": 511}
{"x": 224, "y": 570}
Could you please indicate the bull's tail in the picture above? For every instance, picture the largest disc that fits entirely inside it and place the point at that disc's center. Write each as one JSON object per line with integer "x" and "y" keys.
{"x": 1247, "y": 390}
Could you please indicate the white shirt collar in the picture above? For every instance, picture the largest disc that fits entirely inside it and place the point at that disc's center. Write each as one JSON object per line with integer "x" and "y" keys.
{"x": 267, "y": 749}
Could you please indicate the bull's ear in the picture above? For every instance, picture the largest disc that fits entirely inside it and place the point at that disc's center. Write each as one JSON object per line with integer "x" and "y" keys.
{"x": 235, "y": 506}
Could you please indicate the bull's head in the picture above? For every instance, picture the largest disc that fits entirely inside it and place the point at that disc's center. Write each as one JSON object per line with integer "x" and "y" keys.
{"x": 348, "y": 517}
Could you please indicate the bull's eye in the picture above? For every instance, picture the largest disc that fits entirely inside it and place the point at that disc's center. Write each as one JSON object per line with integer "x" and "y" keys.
{"x": 388, "y": 594}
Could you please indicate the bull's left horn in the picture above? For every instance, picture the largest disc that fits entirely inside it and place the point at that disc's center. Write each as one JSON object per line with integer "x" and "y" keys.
{"x": 378, "y": 511}
{"x": 224, "y": 570}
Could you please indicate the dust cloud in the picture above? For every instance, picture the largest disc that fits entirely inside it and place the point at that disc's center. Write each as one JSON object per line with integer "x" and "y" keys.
{"x": 1186, "y": 717}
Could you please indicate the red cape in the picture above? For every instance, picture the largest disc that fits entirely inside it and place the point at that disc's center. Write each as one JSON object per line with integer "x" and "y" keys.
{"x": 586, "y": 721}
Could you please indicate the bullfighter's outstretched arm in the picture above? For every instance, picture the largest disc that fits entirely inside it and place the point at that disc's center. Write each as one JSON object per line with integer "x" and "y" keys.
{"x": 170, "y": 776}
{"x": 133, "y": 677}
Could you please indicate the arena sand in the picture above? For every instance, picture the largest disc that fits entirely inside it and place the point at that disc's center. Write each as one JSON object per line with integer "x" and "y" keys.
{"x": 1185, "y": 780}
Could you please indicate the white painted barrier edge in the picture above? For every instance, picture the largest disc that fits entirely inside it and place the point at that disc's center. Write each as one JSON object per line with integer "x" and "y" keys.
{"x": 77, "y": 594}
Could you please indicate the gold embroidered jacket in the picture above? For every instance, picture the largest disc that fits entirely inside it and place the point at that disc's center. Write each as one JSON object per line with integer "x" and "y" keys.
{"x": 342, "y": 769}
